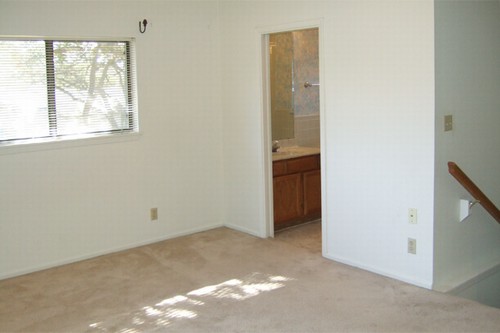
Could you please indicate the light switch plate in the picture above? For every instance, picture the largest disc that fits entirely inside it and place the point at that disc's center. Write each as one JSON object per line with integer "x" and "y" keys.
{"x": 448, "y": 123}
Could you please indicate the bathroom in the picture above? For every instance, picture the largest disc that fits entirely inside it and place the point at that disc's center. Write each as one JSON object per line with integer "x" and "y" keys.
{"x": 295, "y": 126}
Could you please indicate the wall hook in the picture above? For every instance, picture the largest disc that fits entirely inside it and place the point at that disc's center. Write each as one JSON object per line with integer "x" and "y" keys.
{"x": 145, "y": 23}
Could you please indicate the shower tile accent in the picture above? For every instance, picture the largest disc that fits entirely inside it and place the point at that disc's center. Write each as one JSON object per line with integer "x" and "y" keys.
{"x": 307, "y": 131}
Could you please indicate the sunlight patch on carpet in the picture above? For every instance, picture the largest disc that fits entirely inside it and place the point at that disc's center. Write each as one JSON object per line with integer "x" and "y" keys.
{"x": 188, "y": 306}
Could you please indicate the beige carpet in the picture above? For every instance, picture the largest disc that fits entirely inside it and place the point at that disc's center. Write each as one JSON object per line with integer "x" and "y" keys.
{"x": 226, "y": 281}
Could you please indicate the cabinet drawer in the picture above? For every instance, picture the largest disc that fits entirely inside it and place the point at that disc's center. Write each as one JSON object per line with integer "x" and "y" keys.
{"x": 279, "y": 168}
{"x": 303, "y": 164}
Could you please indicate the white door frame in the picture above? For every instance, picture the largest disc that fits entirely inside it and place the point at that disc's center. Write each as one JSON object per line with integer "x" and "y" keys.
{"x": 263, "y": 40}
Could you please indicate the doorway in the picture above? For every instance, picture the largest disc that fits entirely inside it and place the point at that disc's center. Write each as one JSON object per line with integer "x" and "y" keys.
{"x": 292, "y": 109}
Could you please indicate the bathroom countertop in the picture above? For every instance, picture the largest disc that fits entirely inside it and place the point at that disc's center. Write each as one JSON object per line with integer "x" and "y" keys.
{"x": 293, "y": 152}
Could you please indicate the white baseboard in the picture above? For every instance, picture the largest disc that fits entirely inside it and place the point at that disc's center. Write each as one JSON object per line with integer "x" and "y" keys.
{"x": 245, "y": 230}
{"x": 107, "y": 251}
{"x": 406, "y": 279}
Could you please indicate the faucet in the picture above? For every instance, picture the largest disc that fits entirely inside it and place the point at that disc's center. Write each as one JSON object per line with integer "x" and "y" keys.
{"x": 276, "y": 146}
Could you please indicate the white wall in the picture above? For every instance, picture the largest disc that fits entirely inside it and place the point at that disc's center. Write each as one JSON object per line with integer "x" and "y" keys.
{"x": 201, "y": 160}
{"x": 483, "y": 288}
{"x": 467, "y": 87}
{"x": 377, "y": 79}
{"x": 64, "y": 204}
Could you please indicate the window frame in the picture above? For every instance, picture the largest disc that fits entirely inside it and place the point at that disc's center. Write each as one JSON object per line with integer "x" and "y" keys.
{"x": 80, "y": 139}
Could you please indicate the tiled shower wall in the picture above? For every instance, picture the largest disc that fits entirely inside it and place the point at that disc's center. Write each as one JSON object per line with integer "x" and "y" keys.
{"x": 307, "y": 130}
{"x": 305, "y": 69}
{"x": 305, "y": 100}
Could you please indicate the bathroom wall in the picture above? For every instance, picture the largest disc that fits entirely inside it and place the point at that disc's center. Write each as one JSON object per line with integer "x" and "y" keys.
{"x": 307, "y": 130}
{"x": 295, "y": 105}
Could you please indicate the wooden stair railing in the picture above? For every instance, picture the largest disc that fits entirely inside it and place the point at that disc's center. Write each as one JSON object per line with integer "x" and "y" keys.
{"x": 469, "y": 185}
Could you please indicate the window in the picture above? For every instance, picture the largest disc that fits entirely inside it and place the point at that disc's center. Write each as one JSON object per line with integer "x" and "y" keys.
{"x": 57, "y": 89}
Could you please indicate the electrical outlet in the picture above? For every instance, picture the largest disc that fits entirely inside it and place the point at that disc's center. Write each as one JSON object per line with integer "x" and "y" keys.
{"x": 412, "y": 215}
{"x": 412, "y": 246}
{"x": 154, "y": 214}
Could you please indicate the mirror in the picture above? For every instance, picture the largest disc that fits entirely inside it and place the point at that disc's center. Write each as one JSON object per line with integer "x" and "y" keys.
{"x": 281, "y": 77}
{"x": 293, "y": 61}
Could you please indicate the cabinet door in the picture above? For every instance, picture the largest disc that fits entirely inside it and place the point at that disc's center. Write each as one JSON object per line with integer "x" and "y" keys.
{"x": 288, "y": 198}
{"x": 312, "y": 193}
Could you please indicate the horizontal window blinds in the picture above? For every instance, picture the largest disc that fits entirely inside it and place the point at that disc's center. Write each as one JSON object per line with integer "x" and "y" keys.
{"x": 52, "y": 89}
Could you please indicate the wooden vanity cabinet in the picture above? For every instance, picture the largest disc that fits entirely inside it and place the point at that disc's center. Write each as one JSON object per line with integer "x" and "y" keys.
{"x": 312, "y": 193}
{"x": 288, "y": 198}
{"x": 297, "y": 191}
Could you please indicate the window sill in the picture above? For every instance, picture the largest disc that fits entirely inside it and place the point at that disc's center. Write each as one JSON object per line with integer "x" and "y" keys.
{"x": 67, "y": 143}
